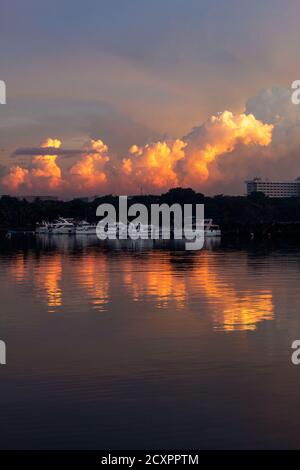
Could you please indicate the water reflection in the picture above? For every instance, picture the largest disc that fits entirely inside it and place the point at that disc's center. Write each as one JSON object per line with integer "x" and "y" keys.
{"x": 18, "y": 268}
{"x": 92, "y": 276}
{"x": 185, "y": 348}
{"x": 156, "y": 281}
{"x": 47, "y": 279}
{"x": 73, "y": 271}
{"x": 236, "y": 309}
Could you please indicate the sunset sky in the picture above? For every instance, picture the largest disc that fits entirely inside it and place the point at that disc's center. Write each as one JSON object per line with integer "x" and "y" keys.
{"x": 147, "y": 94}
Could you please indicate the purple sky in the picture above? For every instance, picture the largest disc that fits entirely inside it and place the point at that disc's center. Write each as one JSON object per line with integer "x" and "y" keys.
{"x": 134, "y": 71}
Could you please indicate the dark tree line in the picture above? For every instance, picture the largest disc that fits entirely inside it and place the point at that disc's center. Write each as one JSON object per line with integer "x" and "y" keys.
{"x": 225, "y": 210}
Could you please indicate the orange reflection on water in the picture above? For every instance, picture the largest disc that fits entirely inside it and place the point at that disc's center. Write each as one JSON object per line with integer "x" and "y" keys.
{"x": 92, "y": 275}
{"x": 205, "y": 281}
{"x": 155, "y": 279}
{"x": 247, "y": 311}
{"x": 18, "y": 268}
{"x": 234, "y": 310}
{"x": 47, "y": 276}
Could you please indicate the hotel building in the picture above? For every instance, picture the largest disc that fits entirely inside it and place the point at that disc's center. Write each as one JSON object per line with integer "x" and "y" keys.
{"x": 274, "y": 188}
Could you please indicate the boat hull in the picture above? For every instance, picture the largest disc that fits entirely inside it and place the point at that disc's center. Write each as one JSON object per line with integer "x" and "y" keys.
{"x": 85, "y": 231}
{"x": 62, "y": 231}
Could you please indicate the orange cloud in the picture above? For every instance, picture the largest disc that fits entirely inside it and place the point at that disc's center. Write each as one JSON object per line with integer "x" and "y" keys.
{"x": 155, "y": 167}
{"x": 44, "y": 174}
{"x": 219, "y": 135}
{"x": 89, "y": 172}
{"x": 46, "y": 169}
{"x": 16, "y": 178}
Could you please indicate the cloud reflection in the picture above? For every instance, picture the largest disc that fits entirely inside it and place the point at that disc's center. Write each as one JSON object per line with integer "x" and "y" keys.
{"x": 201, "y": 284}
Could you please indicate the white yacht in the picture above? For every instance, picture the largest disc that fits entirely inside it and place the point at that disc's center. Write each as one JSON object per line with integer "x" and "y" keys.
{"x": 143, "y": 231}
{"x": 42, "y": 227}
{"x": 210, "y": 229}
{"x": 84, "y": 228}
{"x": 61, "y": 226}
{"x": 117, "y": 229}
{"x": 149, "y": 231}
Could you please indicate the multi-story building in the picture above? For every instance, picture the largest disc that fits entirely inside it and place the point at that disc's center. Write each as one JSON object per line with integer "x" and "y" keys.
{"x": 274, "y": 188}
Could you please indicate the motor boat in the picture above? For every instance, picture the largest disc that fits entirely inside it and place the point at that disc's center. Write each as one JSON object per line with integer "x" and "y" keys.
{"x": 84, "y": 228}
{"x": 206, "y": 226}
{"x": 61, "y": 226}
{"x": 210, "y": 229}
{"x": 42, "y": 227}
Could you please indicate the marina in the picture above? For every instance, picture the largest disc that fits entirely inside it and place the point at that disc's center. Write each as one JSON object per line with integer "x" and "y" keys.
{"x": 67, "y": 226}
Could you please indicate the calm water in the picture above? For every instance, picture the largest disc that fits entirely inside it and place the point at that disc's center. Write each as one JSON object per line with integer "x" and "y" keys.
{"x": 129, "y": 347}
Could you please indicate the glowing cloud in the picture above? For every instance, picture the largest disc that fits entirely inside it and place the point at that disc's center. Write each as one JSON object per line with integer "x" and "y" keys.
{"x": 89, "y": 172}
{"x": 155, "y": 167}
{"x": 16, "y": 178}
{"x": 46, "y": 170}
{"x": 219, "y": 135}
{"x": 44, "y": 174}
